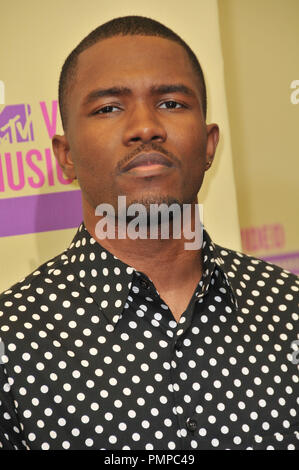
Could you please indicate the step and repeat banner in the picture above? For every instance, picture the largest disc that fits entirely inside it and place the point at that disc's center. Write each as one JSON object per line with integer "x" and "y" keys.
{"x": 39, "y": 208}
{"x": 261, "y": 61}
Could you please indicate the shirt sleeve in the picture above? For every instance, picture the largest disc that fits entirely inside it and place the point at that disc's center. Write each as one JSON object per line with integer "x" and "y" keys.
{"x": 11, "y": 435}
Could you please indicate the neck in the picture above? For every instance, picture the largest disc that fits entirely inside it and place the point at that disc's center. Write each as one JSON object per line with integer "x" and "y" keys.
{"x": 166, "y": 261}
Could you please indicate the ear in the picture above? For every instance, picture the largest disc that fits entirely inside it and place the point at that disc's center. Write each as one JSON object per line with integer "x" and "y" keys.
{"x": 212, "y": 142}
{"x": 63, "y": 155}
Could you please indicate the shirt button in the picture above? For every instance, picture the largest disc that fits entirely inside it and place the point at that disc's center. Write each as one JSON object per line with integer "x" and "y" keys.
{"x": 191, "y": 424}
{"x": 144, "y": 283}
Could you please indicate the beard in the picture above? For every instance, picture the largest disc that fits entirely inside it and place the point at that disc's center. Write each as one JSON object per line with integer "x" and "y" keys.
{"x": 153, "y": 210}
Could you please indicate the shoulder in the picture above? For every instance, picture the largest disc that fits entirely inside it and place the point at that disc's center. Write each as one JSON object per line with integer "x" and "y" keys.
{"x": 259, "y": 287}
{"x": 15, "y": 301}
{"x": 238, "y": 264}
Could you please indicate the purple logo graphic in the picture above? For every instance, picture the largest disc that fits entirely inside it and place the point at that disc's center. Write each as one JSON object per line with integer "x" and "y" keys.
{"x": 16, "y": 124}
{"x": 40, "y": 213}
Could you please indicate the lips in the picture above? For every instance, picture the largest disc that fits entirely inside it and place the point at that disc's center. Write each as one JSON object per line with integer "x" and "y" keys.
{"x": 148, "y": 159}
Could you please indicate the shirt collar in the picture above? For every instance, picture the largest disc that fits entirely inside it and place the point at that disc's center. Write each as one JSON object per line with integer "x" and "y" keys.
{"x": 216, "y": 256}
{"x": 108, "y": 280}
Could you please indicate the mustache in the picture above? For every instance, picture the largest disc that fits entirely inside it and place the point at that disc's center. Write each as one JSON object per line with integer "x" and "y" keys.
{"x": 146, "y": 148}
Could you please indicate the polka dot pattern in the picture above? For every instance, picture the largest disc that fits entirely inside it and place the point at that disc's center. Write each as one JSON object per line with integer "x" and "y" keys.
{"x": 95, "y": 360}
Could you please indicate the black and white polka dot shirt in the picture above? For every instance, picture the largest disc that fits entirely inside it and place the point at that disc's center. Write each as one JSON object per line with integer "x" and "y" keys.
{"x": 92, "y": 357}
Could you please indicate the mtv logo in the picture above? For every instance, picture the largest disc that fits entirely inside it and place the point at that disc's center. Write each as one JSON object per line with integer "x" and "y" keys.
{"x": 16, "y": 124}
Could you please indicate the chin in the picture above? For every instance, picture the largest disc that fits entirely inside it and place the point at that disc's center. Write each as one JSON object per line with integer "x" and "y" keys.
{"x": 148, "y": 199}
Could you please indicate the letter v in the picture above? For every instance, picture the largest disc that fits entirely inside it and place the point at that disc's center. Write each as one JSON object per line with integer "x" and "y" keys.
{"x": 51, "y": 125}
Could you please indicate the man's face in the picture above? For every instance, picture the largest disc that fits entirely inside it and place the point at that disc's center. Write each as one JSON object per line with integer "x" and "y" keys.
{"x": 142, "y": 113}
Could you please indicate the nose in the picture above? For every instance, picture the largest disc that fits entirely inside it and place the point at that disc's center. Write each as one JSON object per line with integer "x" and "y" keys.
{"x": 144, "y": 126}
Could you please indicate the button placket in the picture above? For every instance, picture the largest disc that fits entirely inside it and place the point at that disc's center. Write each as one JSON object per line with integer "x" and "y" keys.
{"x": 144, "y": 283}
{"x": 191, "y": 424}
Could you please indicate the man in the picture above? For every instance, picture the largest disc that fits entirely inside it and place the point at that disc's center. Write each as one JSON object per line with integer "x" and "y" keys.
{"x": 122, "y": 343}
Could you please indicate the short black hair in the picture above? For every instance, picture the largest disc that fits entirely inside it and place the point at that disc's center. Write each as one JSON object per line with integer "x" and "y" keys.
{"x": 123, "y": 26}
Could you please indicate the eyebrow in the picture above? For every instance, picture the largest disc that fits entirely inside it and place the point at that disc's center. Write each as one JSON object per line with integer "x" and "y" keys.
{"x": 124, "y": 91}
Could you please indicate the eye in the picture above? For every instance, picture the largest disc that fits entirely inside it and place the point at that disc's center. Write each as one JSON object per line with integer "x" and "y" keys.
{"x": 106, "y": 109}
{"x": 171, "y": 104}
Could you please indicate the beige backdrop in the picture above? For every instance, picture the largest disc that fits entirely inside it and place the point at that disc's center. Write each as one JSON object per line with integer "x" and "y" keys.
{"x": 261, "y": 60}
{"x": 38, "y": 35}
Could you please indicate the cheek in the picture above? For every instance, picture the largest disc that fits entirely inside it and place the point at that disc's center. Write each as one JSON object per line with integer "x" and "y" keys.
{"x": 191, "y": 138}
{"x": 90, "y": 156}
{"x": 196, "y": 151}
{"x": 93, "y": 162}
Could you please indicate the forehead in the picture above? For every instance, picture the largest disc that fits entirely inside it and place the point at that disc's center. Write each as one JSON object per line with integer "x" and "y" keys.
{"x": 132, "y": 60}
